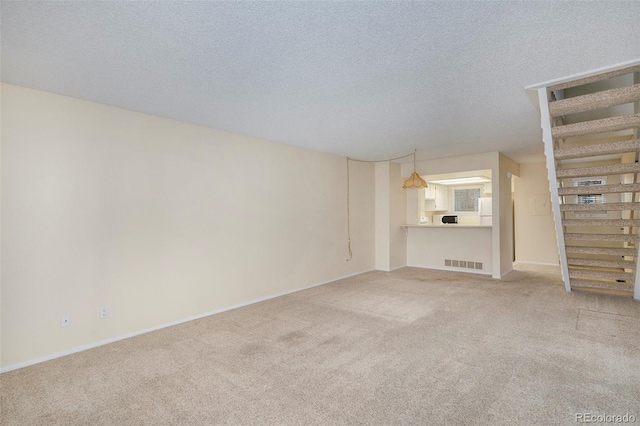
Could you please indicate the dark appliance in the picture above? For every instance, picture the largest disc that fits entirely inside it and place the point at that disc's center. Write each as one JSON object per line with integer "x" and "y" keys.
{"x": 449, "y": 219}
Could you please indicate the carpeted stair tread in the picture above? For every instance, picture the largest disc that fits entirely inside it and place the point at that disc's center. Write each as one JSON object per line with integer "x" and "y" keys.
{"x": 617, "y": 147}
{"x": 578, "y": 261}
{"x": 602, "y": 285}
{"x": 609, "y": 251}
{"x": 599, "y": 274}
{"x": 599, "y": 207}
{"x": 601, "y": 222}
{"x": 597, "y": 250}
{"x": 611, "y": 169}
{"x": 600, "y": 189}
{"x": 578, "y": 236}
{"x": 597, "y": 126}
{"x": 594, "y": 78}
{"x": 591, "y": 101}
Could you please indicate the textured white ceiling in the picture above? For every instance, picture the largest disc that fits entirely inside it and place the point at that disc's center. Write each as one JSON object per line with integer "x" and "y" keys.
{"x": 364, "y": 79}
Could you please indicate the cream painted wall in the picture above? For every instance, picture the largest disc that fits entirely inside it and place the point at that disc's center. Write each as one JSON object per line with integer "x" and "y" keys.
{"x": 535, "y": 233}
{"x": 390, "y": 201}
{"x": 397, "y": 216}
{"x": 158, "y": 220}
{"x": 382, "y": 216}
{"x": 507, "y": 170}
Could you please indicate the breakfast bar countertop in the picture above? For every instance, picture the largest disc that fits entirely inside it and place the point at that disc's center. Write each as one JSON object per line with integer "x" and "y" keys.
{"x": 448, "y": 225}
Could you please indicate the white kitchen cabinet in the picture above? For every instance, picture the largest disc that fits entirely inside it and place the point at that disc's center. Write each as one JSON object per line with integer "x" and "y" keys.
{"x": 430, "y": 191}
{"x": 436, "y": 198}
{"x": 442, "y": 198}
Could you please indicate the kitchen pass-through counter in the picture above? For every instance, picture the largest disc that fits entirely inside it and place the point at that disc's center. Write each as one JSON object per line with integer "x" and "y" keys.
{"x": 454, "y": 247}
{"x": 448, "y": 225}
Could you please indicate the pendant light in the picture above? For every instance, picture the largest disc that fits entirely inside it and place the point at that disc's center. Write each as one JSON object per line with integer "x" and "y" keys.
{"x": 414, "y": 181}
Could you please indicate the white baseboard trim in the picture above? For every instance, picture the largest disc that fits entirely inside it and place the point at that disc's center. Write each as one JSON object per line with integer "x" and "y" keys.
{"x": 526, "y": 262}
{"x": 392, "y": 269}
{"x": 463, "y": 270}
{"x": 170, "y": 324}
{"x": 397, "y": 267}
{"x": 505, "y": 274}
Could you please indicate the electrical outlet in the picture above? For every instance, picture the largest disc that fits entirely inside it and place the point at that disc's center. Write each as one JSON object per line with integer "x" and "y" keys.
{"x": 65, "y": 320}
{"x": 104, "y": 312}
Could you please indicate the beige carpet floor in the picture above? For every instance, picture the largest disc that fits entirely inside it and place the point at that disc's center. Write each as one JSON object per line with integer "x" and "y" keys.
{"x": 412, "y": 346}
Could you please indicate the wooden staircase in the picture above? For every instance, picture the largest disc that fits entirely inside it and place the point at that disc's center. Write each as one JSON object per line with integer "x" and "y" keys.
{"x": 590, "y": 130}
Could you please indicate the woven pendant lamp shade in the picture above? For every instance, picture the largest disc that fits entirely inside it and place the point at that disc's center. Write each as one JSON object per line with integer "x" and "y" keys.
{"x": 414, "y": 181}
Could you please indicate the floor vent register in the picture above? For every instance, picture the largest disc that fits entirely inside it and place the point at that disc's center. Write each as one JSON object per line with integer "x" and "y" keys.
{"x": 466, "y": 264}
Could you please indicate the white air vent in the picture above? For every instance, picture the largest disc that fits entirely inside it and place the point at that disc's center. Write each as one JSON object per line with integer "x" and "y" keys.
{"x": 467, "y": 264}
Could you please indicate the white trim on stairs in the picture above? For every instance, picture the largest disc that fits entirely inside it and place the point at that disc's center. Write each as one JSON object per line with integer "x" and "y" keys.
{"x": 579, "y": 75}
{"x": 532, "y": 89}
{"x": 547, "y": 138}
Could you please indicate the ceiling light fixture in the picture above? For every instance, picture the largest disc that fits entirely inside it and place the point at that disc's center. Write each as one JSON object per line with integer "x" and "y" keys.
{"x": 462, "y": 180}
{"x": 414, "y": 181}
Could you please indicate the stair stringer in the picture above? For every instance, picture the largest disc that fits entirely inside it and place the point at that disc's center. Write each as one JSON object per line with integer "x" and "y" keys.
{"x": 636, "y": 109}
{"x": 547, "y": 138}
